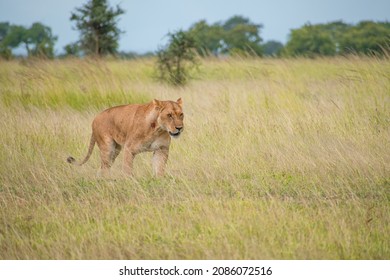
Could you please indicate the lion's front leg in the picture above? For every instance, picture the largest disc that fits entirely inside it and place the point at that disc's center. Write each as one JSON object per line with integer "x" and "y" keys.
{"x": 160, "y": 158}
{"x": 128, "y": 162}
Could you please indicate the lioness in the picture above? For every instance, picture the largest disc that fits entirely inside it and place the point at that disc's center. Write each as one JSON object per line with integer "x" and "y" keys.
{"x": 136, "y": 128}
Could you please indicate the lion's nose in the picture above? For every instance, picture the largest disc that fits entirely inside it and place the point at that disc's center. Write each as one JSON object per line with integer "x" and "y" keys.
{"x": 179, "y": 128}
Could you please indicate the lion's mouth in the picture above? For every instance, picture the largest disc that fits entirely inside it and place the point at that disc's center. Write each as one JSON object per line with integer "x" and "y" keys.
{"x": 174, "y": 134}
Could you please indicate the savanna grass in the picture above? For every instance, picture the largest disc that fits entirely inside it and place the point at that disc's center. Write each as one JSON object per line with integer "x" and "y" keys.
{"x": 280, "y": 159}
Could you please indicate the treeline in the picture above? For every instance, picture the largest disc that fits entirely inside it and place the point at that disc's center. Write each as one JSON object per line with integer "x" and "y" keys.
{"x": 238, "y": 35}
{"x": 99, "y": 35}
{"x": 339, "y": 38}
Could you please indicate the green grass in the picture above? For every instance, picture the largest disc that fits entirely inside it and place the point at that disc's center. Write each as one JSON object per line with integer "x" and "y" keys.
{"x": 280, "y": 159}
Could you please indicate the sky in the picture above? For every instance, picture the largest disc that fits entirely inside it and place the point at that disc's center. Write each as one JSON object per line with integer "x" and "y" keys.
{"x": 146, "y": 22}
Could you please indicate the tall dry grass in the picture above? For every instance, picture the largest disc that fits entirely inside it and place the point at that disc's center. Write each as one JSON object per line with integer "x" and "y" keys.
{"x": 280, "y": 159}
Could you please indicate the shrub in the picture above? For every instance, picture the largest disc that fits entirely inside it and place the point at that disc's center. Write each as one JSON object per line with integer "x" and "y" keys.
{"x": 175, "y": 60}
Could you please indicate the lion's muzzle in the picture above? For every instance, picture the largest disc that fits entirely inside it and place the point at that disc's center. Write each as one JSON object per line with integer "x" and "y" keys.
{"x": 177, "y": 133}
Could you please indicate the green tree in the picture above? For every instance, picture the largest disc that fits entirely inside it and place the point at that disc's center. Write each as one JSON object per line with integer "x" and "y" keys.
{"x": 97, "y": 24}
{"x": 242, "y": 35}
{"x": 4, "y": 29}
{"x": 175, "y": 60}
{"x": 72, "y": 49}
{"x": 17, "y": 35}
{"x": 310, "y": 41}
{"x": 366, "y": 37}
{"x": 208, "y": 38}
{"x": 236, "y": 35}
{"x": 5, "y": 51}
{"x": 272, "y": 48}
{"x": 41, "y": 40}
{"x": 336, "y": 30}
{"x": 38, "y": 40}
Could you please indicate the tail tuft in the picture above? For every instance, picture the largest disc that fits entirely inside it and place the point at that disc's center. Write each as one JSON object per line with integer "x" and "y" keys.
{"x": 71, "y": 160}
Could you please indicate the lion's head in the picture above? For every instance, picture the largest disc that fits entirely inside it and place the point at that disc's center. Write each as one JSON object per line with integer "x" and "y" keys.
{"x": 170, "y": 116}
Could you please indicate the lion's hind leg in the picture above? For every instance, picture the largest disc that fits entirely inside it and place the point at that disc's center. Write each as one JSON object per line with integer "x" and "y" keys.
{"x": 109, "y": 150}
{"x": 117, "y": 150}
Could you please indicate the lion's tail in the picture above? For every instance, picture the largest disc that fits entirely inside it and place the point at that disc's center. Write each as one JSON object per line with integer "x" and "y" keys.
{"x": 72, "y": 160}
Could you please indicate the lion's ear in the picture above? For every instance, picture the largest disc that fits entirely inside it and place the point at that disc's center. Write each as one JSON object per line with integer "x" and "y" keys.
{"x": 180, "y": 101}
{"x": 156, "y": 103}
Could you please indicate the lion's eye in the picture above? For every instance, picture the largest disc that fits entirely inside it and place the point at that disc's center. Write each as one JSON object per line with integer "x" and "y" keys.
{"x": 181, "y": 115}
{"x": 169, "y": 115}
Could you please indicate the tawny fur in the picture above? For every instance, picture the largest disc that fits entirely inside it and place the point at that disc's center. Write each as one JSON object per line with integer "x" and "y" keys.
{"x": 136, "y": 128}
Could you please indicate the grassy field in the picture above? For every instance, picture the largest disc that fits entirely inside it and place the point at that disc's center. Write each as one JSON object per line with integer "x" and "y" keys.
{"x": 279, "y": 159}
